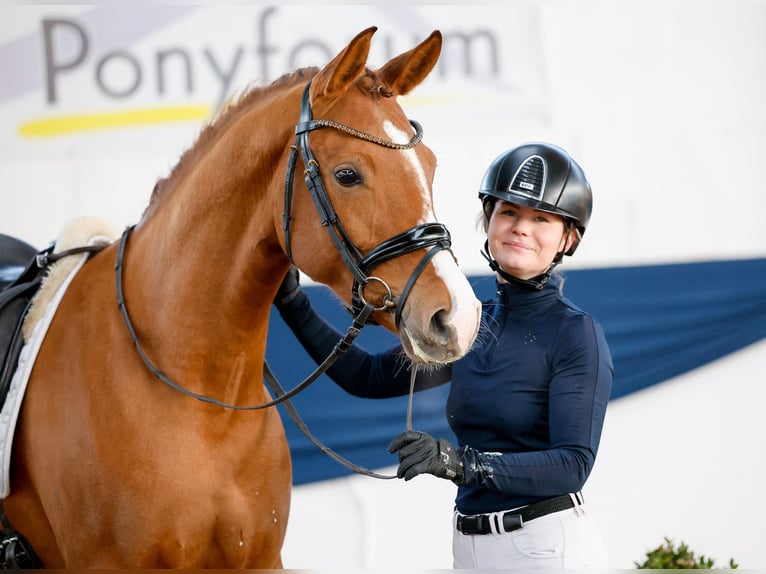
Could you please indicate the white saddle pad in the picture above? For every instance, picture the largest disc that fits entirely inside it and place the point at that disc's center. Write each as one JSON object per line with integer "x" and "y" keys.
{"x": 10, "y": 411}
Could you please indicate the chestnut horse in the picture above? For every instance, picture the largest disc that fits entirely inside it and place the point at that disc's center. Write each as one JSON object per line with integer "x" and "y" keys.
{"x": 114, "y": 469}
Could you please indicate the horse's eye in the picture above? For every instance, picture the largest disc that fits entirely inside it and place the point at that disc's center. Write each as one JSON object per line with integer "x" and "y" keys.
{"x": 347, "y": 177}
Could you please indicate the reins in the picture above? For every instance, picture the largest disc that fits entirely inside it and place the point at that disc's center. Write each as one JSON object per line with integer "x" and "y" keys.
{"x": 277, "y": 389}
{"x": 281, "y": 395}
{"x": 351, "y": 333}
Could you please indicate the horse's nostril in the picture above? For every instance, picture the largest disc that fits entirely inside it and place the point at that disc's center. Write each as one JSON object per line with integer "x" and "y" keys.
{"x": 440, "y": 329}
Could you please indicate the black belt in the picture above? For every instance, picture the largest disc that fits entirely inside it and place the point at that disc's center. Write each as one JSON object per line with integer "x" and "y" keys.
{"x": 514, "y": 519}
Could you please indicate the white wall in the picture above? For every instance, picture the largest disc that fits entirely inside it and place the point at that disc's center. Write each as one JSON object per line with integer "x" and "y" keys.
{"x": 659, "y": 100}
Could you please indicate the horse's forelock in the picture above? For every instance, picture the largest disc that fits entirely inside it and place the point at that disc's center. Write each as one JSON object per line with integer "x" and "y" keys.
{"x": 371, "y": 83}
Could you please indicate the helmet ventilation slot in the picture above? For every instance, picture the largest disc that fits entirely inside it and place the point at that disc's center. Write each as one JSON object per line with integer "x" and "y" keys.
{"x": 529, "y": 179}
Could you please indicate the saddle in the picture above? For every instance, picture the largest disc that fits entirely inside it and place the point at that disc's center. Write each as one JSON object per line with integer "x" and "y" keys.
{"x": 20, "y": 278}
{"x": 22, "y": 271}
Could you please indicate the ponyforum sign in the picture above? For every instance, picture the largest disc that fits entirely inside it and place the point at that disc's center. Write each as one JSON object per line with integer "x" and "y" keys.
{"x": 89, "y": 69}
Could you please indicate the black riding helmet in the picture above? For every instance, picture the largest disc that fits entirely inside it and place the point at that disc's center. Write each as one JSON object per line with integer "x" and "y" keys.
{"x": 544, "y": 177}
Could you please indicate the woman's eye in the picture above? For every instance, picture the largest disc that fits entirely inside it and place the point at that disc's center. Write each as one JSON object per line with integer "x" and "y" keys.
{"x": 347, "y": 176}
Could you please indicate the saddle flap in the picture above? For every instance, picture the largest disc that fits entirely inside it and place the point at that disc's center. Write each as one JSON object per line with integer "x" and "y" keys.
{"x": 14, "y": 255}
{"x": 14, "y": 304}
{"x": 16, "y": 292}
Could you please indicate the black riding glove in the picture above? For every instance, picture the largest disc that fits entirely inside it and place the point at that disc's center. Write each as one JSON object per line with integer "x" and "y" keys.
{"x": 289, "y": 288}
{"x": 420, "y": 453}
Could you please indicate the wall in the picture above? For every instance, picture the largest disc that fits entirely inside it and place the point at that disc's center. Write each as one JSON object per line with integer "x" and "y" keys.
{"x": 660, "y": 101}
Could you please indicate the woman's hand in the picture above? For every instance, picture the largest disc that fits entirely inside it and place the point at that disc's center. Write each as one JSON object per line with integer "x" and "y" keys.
{"x": 421, "y": 453}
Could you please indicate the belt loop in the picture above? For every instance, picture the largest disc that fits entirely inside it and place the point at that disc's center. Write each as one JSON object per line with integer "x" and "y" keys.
{"x": 496, "y": 525}
{"x": 578, "y": 501}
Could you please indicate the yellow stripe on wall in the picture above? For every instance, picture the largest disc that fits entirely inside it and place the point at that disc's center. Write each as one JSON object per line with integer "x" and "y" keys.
{"x": 108, "y": 120}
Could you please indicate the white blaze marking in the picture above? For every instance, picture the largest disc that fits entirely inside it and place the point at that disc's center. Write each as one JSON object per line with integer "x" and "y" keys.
{"x": 399, "y": 136}
{"x": 466, "y": 308}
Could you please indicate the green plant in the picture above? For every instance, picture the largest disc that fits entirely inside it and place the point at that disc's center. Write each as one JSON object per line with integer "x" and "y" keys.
{"x": 667, "y": 556}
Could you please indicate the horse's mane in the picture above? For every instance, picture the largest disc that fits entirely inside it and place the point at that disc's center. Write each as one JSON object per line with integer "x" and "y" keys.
{"x": 238, "y": 104}
{"x": 226, "y": 115}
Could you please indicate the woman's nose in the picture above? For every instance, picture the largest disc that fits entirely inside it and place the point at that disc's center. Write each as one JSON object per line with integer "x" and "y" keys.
{"x": 520, "y": 226}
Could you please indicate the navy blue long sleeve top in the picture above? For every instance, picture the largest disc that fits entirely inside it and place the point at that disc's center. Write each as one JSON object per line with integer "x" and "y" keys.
{"x": 527, "y": 403}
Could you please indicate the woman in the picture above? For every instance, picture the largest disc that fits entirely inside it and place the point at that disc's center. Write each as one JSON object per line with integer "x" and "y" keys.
{"x": 527, "y": 404}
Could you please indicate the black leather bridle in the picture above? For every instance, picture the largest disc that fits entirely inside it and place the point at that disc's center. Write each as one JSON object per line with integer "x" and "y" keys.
{"x": 433, "y": 236}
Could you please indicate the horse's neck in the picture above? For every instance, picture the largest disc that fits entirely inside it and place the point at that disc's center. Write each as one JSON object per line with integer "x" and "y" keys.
{"x": 210, "y": 231}
{"x": 203, "y": 266}
{"x": 211, "y": 266}
{"x": 201, "y": 292}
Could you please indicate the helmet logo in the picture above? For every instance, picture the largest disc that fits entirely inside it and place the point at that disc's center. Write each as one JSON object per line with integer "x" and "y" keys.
{"x": 529, "y": 179}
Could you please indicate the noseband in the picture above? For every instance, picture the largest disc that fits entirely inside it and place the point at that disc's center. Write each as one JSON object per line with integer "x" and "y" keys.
{"x": 432, "y": 236}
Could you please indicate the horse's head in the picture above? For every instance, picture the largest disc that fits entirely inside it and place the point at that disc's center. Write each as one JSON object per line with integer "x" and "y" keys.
{"x": 370, "y": 179}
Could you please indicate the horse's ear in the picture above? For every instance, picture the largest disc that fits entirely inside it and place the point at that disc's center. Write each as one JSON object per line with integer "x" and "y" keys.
{"x": 346, "y": 67}
{"x": 407, "y": 70}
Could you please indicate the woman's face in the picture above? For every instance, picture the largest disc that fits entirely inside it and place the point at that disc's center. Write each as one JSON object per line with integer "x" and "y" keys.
{"x": 523, "y": 240}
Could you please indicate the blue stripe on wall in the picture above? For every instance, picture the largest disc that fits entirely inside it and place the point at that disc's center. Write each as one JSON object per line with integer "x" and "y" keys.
{"x": 660, "y": 321}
